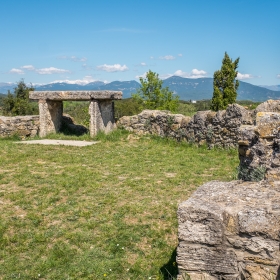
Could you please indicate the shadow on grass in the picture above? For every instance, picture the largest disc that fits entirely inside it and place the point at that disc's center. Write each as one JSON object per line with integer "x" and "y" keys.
{"x": 170, "y": 269}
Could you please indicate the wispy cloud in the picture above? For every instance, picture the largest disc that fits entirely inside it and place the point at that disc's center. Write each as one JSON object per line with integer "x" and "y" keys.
{"x": 278, "y": 76}
{"x": 84, "y": 81}
{"x": 41, "y": 71}
{"x": 51, "y": 70}
{"x": 28, "y": 67}
{"x": 86, "y": 67}
{"x": 143, "y": 64}
{"x": 72, "y": 58}
{"x": 167, "y": 57}
{"x": 180, "y": 54}
{"x": 16, "y": 71}
{"x": 112, "y": 68}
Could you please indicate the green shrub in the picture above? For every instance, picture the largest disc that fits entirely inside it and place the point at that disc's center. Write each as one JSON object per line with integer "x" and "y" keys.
{"x": 251, "y": 174}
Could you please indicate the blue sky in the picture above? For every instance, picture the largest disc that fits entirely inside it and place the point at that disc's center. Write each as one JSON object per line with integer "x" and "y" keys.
{"x": 44, "y": 41}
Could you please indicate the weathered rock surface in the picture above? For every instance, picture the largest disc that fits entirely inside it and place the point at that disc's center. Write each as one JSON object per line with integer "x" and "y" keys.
{"x": 24, "y": 126}
{"x": 230, "y": 231}
{"x": 269, "y": 106}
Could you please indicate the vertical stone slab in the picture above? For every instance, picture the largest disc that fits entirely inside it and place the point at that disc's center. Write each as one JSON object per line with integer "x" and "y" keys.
{"x": 50, "y": 116}
{"x": 101, "y": 116}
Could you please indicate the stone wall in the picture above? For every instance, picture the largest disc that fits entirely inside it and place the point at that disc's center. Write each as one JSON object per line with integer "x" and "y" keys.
{"x": 24, "y": 126}
{"x": 205, "y": 127}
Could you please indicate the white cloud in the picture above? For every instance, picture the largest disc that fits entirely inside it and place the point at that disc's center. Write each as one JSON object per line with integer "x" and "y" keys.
{"x": 28, "y": 67}
{"x": 167, "y": 57}
{"x": 41, "y": 71}
{"x": 141, "y": 76}
{"x": 180, "y": 54}
{"x": 84, "y": 81}
{"x": 143, "y": 64}
{"x": 16, "y": 71}
{"x": 278, "y": 76}
{"x": 73, "y": 58}
{"x": 151, "y": 57}
{"x": 180, "y": 73}
{"x": 244, "y": 76}
{"x": 112, "y": 68}
{"x": 51, "y": 70}
{"x": 195, "y": 73}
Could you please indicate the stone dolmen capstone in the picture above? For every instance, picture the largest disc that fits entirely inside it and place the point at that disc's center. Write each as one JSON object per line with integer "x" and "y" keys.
{"x": 101, "y": 109}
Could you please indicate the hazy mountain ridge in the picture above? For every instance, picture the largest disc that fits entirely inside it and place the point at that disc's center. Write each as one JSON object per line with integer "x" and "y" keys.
{"x": 275, "y": 87}
{"x": 187, "y": 89}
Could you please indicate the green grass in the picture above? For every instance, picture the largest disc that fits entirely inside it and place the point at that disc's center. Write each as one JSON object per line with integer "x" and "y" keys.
{"x": 106, "y": 211}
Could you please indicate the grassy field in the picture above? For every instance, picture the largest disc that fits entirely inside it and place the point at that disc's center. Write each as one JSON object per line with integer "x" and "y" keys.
{"x": 106, "y": 211}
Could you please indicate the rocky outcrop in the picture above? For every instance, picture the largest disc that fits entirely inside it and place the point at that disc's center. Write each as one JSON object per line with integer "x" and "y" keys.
{"x": 205, "y": 127}
{"x": 23, "y": 126}
{"x": 230, "y": 231}
{"x": 259, "y": 148}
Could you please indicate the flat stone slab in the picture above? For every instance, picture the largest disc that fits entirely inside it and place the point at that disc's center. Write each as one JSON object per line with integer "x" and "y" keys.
{"x": 75, "y": 95}
{"x": 59, "y": 142}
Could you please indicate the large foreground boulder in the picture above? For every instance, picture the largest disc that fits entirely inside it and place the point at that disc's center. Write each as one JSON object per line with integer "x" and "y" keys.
{"x": 230, "y": 231}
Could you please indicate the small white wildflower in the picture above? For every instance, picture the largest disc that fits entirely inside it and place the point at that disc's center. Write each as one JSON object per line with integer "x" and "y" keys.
{"x": 123, "y": 248}
{"x": 118, "y": 244}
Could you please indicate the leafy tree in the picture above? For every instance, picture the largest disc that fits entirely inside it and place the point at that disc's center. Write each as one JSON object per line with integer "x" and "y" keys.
{"x": 18, "y": 103}
{"x": 153, "y": 96}
{"x": 225, "y": 85}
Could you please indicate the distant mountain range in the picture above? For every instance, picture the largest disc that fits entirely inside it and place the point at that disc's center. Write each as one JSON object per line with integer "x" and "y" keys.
{"x": 187, "y": 89}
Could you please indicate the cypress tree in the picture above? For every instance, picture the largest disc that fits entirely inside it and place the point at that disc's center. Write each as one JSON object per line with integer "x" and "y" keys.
{"x": 225, "y": 85}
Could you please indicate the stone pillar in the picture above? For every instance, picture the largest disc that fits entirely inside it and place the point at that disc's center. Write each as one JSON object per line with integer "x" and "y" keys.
{"x": 101, "y": 116}
{"x": 50, "y": 116}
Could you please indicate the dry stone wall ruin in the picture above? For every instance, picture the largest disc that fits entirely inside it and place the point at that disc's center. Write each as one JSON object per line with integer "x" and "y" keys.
{"x": 23, "y": 126}
{"x": 205, "y": 127}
